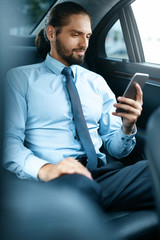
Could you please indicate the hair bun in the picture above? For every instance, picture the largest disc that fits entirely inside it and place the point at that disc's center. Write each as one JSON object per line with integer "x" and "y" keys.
{"x": 42, "y": 44}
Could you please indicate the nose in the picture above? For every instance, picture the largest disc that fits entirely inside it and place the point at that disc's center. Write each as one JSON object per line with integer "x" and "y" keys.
{"x": 83, "y": 42}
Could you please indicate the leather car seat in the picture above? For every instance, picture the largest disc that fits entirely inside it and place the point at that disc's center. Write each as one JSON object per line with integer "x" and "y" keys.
{"x": 153, "y": 154}
{"x": 142, "y": 224}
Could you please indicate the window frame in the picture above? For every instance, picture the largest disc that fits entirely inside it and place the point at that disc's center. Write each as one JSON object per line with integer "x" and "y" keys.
{"x": 130, "y": 33}
{"x": 136, "y": 62}
{"x": 118, "y": 72}
{"x": 40, "y": 24}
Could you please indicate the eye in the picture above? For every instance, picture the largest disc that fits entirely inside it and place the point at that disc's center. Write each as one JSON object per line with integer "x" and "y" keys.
{"x": 88, "y": 36}
{"x": 75, "y": 34}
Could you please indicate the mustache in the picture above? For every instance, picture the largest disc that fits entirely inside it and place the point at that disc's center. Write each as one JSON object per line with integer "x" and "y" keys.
{"x": 79, "y": 49}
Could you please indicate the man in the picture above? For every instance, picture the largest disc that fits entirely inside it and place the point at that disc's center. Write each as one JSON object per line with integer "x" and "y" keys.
{"x": 41, "y": 141}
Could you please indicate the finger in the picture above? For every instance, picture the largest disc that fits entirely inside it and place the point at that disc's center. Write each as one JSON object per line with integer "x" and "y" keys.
{"x": 132, "y": 118}
{"x": 72, "y": 166}
{"x": 139, "y": 93}
{"x": 86, "y": 173}
{"x": 130, "y": 113}
{"x": 124, "y": 100}
{"x": 135, "y": 108}
{"x": 81, "y": 171}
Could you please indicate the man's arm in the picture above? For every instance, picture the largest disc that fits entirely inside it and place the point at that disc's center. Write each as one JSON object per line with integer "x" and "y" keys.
{"x": 119, "y": 137}
{"x": 112, "y": 130}
{"x": 18, "y": 158}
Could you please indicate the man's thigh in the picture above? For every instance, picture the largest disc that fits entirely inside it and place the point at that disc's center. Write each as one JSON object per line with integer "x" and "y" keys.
{"x": 80, "y": 185}
{"x": 125, "y": 187}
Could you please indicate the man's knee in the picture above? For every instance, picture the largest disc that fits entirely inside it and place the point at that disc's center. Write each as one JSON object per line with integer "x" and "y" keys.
{"x": 143, "y": 163}
{"x": 80, "y": 184}
{"x": 142, "y": 167}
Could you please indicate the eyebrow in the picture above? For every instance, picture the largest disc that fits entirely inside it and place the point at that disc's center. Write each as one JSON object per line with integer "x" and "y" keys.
{"x": 80, "y": 32}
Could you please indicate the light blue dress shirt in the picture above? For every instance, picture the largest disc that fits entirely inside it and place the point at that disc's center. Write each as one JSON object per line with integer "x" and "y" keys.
{"x": 39, "y": 126}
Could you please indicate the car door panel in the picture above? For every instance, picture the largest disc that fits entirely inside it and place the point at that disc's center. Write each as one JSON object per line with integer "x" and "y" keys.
{"x": 118, "y": 72}
{"x": 118, "y": 75}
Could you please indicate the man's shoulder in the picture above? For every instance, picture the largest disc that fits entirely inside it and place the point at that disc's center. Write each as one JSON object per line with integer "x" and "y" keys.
{"x": 20, "y": 76}
{"x": 25, "y": 68}
{"x": 85, "y": 70}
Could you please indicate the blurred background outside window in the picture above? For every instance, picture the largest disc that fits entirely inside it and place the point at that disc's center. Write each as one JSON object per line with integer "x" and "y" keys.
{"x": 114, "y": 44}
{"x": 148, "y": 18}
{"x": 29, "y": 13}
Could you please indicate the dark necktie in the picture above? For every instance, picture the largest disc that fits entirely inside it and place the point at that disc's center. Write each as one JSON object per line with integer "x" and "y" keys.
{"x": 80, "y": 122}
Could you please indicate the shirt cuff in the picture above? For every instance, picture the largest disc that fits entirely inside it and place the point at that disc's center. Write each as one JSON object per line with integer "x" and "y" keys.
{"x": 32, "y": 166}
{"x": 126, "y": 138}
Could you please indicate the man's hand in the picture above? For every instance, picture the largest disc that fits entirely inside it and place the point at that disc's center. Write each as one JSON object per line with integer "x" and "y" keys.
{"x": 67, "y": 166}
{"x": 133, "y": 109}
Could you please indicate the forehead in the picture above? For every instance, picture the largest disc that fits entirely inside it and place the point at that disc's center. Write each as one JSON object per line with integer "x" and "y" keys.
{"x": 79, "y": 22}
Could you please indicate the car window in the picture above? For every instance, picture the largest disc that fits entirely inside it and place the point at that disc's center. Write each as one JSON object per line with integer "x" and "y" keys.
{"x": 114, "y": 43}
{"x": 148, "y": 25}
{"x": 29, "y": 13}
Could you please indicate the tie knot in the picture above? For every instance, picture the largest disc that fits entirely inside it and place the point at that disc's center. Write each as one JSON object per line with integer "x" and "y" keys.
{"x": 67, "y": 71}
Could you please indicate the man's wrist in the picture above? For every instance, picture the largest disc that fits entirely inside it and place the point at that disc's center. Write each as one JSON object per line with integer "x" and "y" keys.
{"x": 128, "y": 130}
{"x": 43, "y": 172}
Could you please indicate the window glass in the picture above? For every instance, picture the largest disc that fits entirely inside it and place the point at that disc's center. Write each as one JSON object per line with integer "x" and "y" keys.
{"x": 114, "y": 43}
{"x": 24, "y": 15}
{"x": 148, "y": 19}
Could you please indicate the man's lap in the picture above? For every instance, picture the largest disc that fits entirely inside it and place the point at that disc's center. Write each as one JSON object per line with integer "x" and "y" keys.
{"x": 115, "y": 187}
{"x": 125, "y": 187}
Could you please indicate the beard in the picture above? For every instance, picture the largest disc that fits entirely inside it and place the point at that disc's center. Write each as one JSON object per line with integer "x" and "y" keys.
{"x": 69, "y": 58}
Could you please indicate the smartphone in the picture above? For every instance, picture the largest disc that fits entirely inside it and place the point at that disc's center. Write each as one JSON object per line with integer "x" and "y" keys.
{"x": 130, "y": 91}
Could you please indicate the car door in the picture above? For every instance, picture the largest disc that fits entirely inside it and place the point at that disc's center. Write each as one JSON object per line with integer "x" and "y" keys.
{"x": 120, "y": 47}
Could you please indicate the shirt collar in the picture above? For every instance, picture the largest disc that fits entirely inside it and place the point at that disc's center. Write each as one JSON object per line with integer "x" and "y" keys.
{"x": 56, "y": 66}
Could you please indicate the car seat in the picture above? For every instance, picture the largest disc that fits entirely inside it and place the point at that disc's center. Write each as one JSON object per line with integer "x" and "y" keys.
{"x": 140, "y": 224}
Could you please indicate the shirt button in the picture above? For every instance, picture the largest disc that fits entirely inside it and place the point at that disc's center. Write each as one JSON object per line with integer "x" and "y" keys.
{"x": 75, "y": 137}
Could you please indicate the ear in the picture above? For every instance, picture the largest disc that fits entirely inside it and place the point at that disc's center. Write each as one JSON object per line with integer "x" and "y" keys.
{"x": 51, "y": 33}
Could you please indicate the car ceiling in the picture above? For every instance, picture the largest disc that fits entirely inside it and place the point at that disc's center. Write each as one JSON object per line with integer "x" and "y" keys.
{"x": 97, "y": 9}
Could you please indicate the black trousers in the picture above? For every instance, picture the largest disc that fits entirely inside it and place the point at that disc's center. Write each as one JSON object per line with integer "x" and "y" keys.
{"x": 114, "y": 187}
